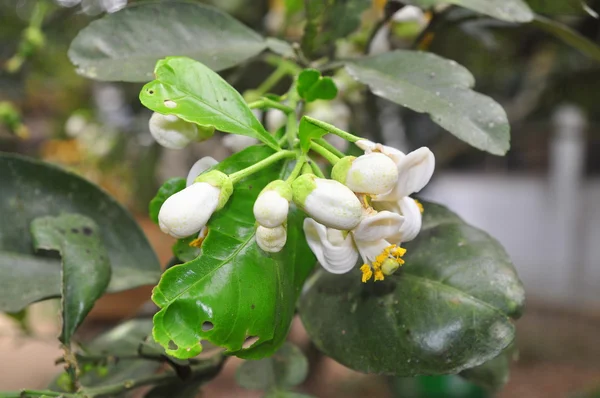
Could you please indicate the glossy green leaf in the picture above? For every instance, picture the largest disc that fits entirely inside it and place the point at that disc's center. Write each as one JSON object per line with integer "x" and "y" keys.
{"x": 427, "y": 83}
{"x": 125, "y": 45}
{"x": 312, "y": 86}
{"x": 193, "y": 92}
{"x": 85, "y": 267}
{"x": 493, "y": 374}
{"x": 234, "y": 292}
{"x": 568, "y": 36}
{"x": 32, "y": 189}
{"x": 505, "y": 10}
{"x": 287, "y": 368}
{"x": 447, "y": 309}
{"x": 170, "y": 187}
{"x": 308, "y": 132}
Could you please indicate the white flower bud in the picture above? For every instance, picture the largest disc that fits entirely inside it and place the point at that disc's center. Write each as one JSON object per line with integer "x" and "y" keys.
{"x": 329, "y": 202}
{"x": 273, "y": 203}
{"x": 271, "y": 240}
{"x": 175, "y": 133}
{"x": 187, "y": 212}
{"x": 374, "y": 173}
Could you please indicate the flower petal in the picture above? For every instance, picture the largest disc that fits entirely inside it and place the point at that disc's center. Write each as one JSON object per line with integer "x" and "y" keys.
{"x": 412, "y": 220}
{"x": 335, "y": 252}
{"x": 370, "y": 147}
{"x": 200, "y": 167}
{"x": 369, "y": 250}
{"x": 414, "y": 172}
{"x": 378, "y": 226}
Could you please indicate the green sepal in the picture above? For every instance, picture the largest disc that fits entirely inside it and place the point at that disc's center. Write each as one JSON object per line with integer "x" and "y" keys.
{"x": 340, "y": 170}
{"x": 283, "y": 188}
{"x": 220, "y": 180}
{"x": 302, "y": 187}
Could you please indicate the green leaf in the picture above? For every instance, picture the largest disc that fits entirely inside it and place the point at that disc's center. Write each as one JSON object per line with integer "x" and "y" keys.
{"x": 191, "y": 91}
{"x": 427, "y": 83}
{"x": 280, "y": 47}
{"x": 505, "y": 10}
{"x": 183, "y": 251}
{"x": 568, "y": 36}
{"x": 449, "y": 307}
{"x": 234, "y": 290}
{"x": 170, "y": 187}
{"x": 85, "y": 266}
{"x": 308, "y": 132}
{"x": 32, "y": 189}
{"x": 327, "y": 21}
{"x": 312, "y": 86}
{"x": 493, "y": 374}
{"x": 125, "y": 45}
{"x": 287, "y": 368}
{"x": 564, "y": 7}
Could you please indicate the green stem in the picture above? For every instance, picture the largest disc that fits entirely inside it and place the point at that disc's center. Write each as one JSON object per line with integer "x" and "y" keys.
{"x": 332, "y": 129}
{"x": 316, "y": 169}
{"x": 269, "y": 103}
{"x": 279, "y": 73}
{"x": 291, "y": 127}
{"x": 330, "y": 147}
{"x": 35, "y": 393}
{"x": 240, "y": 175}
{"x": 330, "y": 157}
{"x": 297, "y": 168}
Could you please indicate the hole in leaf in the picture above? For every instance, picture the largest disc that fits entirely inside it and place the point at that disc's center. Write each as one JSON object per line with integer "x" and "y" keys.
{"x": 172, "y": 345}
{"x": 170, "y": 104}
{"x": 250, "y": 340}
{"x": 207, "y": 326}
{"x": 150, "y": 92}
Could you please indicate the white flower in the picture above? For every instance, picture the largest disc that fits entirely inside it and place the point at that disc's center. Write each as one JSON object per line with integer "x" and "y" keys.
{"x": 171, "y": 131}
{"x": 187, "y": 212}
{"x": 373, "y": 173}
{"x": 273, "y": 203}
{"x": 200, "y": 167}
{"x": 236, "y": 143}
{"x": 271, "y": 240}
{"x": 337, "y": 251}
{"x": 329, "y": 202}
{"x": 414, "y": 172}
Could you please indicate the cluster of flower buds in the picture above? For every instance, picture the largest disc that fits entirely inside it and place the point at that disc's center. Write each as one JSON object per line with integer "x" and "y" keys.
{"x": 271, "y": 210}
{"x": 365, "y": 210}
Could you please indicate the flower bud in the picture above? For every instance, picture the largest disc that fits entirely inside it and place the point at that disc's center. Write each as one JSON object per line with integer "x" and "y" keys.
{"x": 272, "y": 205}
{"x": 374, "y": 173}
{"x": 329, "y": 202}
{"x": 271, "y": 240}
{"x": 175, "y": 133}
{"x": 187, "y": 212}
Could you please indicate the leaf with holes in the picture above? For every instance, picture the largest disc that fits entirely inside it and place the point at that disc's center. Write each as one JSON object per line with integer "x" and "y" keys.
{"x": 191, "y": 91}
{"x": 85, "y": 266}
{"x": 427, "y": 83}
{"x": 32, "y": 189}
{"x": 505, "y": 10}
{"x": 125, "y": 45}
{"x": 312, "y": 86}
{"x": 170, "y": 187}
{"x": 568, "y": 36}
{"x": 449, "y": 308}
{"x": 235, "y": 295}
{"x": 287, "y": 368}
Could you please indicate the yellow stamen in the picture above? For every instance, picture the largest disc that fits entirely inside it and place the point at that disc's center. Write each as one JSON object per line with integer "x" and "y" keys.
{"x": 379, "y": 275}
{"x": 197, "y": 242}
{"x": 367, "y": 273}
{"x": 419, "y": 205}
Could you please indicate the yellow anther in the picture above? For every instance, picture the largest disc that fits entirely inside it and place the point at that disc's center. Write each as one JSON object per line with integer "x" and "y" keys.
{"x": 197, "y": 242}
{"x": 367, "y": 273}
{"x": 419, "y": 205}
{"x": 399, "y": 251}
{"x": 379, "y": 275}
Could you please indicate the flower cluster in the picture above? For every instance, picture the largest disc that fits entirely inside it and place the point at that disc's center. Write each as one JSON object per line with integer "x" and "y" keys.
{"x": 364, "y": 210}
{"x": 368, "y": 213}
